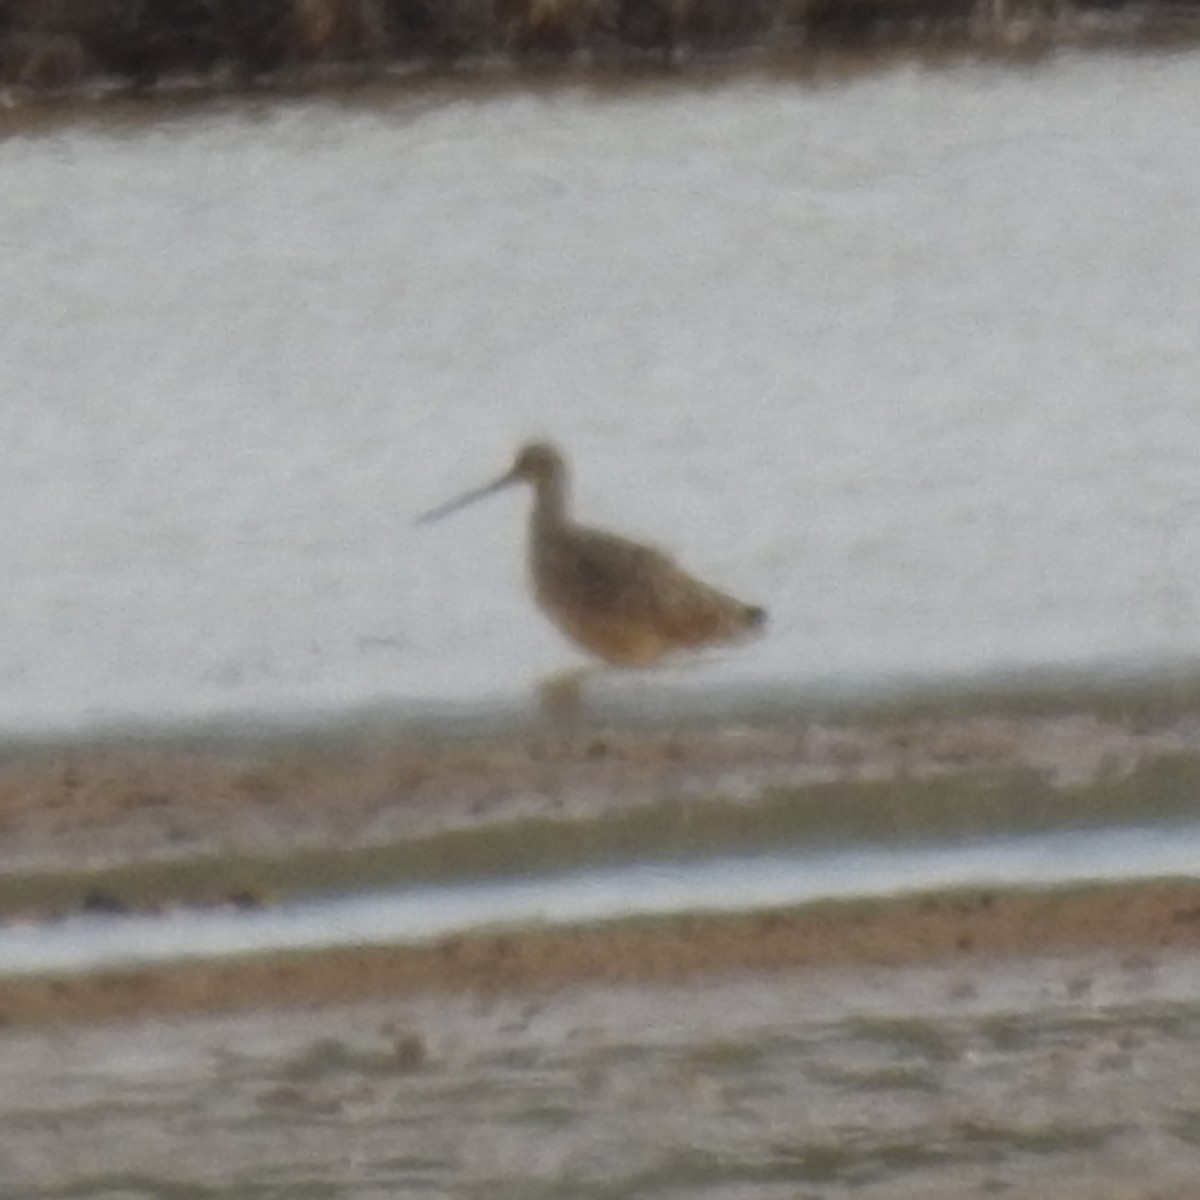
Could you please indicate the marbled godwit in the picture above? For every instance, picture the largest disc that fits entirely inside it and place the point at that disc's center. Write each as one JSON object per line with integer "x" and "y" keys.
{"x": 628, "y": 604}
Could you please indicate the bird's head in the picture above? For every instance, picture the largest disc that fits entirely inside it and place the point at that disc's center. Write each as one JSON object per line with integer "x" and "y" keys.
{"x": 537, "y": 463}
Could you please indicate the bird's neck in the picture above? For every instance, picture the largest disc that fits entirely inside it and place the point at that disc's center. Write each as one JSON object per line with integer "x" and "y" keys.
{"x": 550, "y": 504}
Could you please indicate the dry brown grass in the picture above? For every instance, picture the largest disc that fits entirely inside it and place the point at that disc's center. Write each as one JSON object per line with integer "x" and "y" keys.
{"x": 48, "y": 45}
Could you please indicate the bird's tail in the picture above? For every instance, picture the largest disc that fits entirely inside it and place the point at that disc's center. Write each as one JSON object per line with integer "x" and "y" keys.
{"x": 756, "y": 618}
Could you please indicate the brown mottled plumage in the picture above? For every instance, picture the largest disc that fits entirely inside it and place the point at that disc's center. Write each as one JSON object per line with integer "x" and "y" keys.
{"x": 627, "y": 603}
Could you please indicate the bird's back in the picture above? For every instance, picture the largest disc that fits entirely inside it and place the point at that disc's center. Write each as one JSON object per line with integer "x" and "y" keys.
{"x": 626, "y": 602}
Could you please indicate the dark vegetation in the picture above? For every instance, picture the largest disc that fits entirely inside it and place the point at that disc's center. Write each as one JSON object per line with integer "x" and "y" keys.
{"x": 138, "y": 44}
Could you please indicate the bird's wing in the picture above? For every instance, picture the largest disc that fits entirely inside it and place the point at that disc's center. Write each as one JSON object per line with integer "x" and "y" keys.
{"x": 600, "y": 569}
{"x": 611, "y": 574}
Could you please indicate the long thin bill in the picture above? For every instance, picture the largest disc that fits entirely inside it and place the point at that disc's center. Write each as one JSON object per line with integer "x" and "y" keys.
{"x": 444, "y": 510}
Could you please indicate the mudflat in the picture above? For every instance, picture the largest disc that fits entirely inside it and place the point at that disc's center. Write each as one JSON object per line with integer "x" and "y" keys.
{"x": 1135, "y": 922}
{"x": 1018, "y": 1042}
{"x": 100, "y": 804}
{"x": 808, "y": 1054}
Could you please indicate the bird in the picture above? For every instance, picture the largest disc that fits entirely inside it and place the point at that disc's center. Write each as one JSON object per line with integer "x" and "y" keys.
{"x": 627, "y": 603}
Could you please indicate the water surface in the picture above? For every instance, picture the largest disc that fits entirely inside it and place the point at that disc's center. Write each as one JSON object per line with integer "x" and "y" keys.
{"x": 909, "y": 358}
{"x": 713, "y": 883}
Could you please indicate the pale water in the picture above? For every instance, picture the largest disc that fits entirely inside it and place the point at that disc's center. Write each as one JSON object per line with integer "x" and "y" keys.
{"x": 656, "y": 888}
{"x": 909, "y": 358}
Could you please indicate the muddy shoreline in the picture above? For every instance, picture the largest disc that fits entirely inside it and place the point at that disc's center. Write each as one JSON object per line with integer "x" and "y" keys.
{"x": 148, "y": 824}
{"x": 1023, "y": 1041}
{"x": 163, "y": 820}
{"x": 1068, "y": 1077}
{"x": 1137, "y": 922}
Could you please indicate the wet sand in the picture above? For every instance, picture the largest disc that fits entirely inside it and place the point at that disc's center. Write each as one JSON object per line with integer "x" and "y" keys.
{"x": 1134, "y": 921}
{"x": 125, "y": 800}
{"x": 866, "y": 1053}
{"x": 145, "y": 824}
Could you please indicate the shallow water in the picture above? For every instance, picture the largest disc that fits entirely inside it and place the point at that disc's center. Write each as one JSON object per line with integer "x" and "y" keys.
{"x": 656, "y": 888}
{"x": 907, "y": 357}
